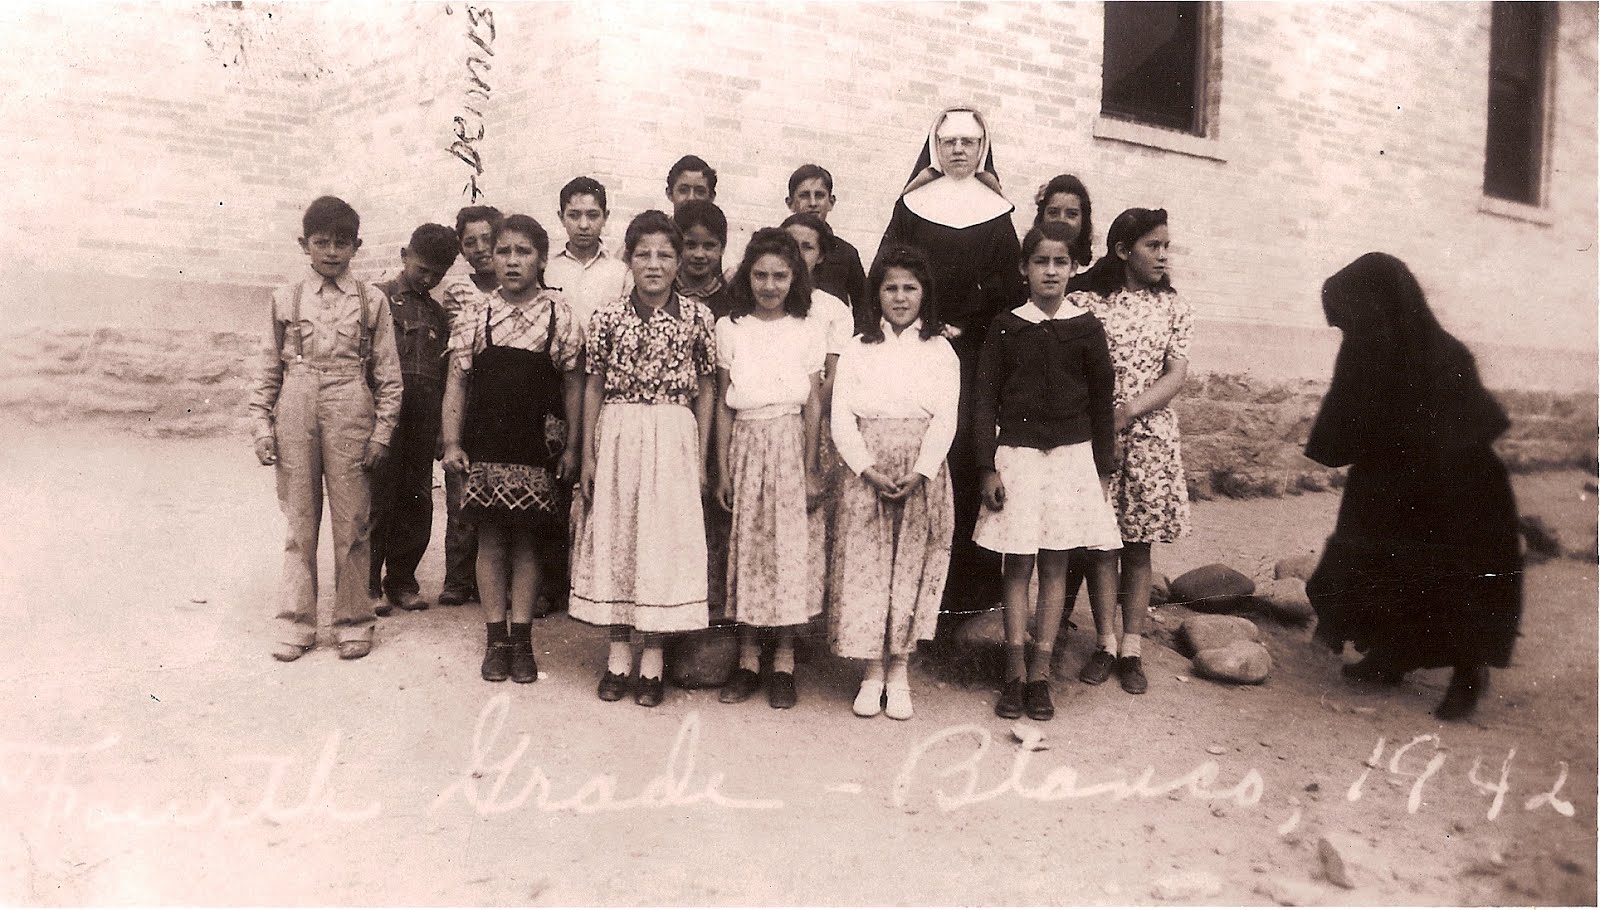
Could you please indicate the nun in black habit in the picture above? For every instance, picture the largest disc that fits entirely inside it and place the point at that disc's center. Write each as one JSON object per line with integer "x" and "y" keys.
{"x": 952, "y": 210}
{"x": 1423, "y": 568}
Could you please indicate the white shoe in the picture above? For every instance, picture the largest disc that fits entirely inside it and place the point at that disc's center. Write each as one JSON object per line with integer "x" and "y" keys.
{"x": 899, "y": 702}
{"x": 869, "y": 701}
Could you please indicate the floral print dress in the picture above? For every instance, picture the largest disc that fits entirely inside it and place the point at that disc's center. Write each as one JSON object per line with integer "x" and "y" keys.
{"x": 1148, "y": 490}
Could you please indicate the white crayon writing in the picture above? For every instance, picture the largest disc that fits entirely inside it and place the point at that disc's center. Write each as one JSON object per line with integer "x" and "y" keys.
{"x": 1061, "y": 783}
{"x": 494, "y": 781}
{"x": 42, "y": 772}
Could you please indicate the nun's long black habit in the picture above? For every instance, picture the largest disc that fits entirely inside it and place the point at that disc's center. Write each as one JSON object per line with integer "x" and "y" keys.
{"x": 976, "y": 277}
{"x": 1423, "y": 568}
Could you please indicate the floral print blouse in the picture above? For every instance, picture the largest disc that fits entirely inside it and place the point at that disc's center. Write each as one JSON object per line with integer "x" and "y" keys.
{"x": 1145, "y": 328}
{"x": 652, "y": 357}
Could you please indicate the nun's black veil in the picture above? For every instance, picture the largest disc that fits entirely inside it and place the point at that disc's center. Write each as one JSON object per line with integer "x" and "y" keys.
{"x": 1400, "y": 381}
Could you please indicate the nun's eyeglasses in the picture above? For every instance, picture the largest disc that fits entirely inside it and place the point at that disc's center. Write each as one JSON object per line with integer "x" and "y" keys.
{"x": 965, "y": 142}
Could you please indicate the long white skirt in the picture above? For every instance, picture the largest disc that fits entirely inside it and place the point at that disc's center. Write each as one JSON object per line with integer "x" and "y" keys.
{"x": 640, "y": 555}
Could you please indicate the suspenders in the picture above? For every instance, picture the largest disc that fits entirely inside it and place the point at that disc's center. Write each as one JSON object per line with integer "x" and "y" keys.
{"x": 364, "y": 346}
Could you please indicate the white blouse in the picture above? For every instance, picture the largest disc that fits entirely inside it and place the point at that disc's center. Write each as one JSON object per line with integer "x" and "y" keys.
{"x": 770, "y": 364}
{"x": 903, "y": 376}
{"x": 833, "y": 318}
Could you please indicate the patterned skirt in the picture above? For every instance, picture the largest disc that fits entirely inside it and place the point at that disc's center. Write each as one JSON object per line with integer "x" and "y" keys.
{"x": 1053, "y": 502}
{"x": 520, "y": 495}
{"x": 640, "y": 555}
{"x": 770, "y": 578}
{"x": 890, "y": 560}
{"x": 1148, "y": 489}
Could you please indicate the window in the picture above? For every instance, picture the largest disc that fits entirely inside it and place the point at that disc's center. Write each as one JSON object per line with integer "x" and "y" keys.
{"x": 1155, "y": 65}
{"x": 1513, "y": 158}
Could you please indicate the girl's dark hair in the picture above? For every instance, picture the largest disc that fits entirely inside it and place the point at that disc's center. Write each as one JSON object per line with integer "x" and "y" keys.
{"x": 530, "y": 228}
{"x": 1039, "y": 233}
{"x": 814, "y": 222}
{"x": 1067, "y": 183}
{"x": 772, "y": 241}
{"x": 1109, "y": 274}
{"x": 702, "y": 213}
{"x": 869, "y": 321}
{"x": 651, "y": 221}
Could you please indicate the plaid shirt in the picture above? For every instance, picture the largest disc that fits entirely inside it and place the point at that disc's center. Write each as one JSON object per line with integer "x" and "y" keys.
{"x": 421, "y": 331}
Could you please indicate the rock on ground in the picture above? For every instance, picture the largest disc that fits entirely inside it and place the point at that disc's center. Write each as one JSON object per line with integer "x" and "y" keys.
{"x": 1212, "y": 589}
{"x": 986, "y": 630}
{"x": 1299, "y": 567}
{"x": 1241, "y": 662}
{"x": 1204, "y": 632}
{"x": 703, "y": 659}
{"x": 1188, "y": 887}
{"x": 1160, "y": 589}
{"x": 1344, "y": 862}
{"x": 1540, "y": 539}
{"x": 1289, "y": 892}
{"x": 1285, "y": 600}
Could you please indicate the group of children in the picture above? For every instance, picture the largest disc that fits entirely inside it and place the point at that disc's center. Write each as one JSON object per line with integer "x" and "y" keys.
{"x": 763, "y": 446}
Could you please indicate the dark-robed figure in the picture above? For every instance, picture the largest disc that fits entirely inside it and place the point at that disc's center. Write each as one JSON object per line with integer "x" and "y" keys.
{"x": 953, "y": 212}
{"x": 1423, "y": 568}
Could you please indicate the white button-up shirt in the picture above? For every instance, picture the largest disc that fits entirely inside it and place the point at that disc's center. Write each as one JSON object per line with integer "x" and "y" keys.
{"x": 903, "y": 376}
{"x": 587, "y": 286}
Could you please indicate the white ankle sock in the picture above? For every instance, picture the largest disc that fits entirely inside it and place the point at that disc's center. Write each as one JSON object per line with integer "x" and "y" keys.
{"x": 619, "y": 659}
{"x": 1130, "y": 645}
{"x": 1108, "y": 642}
{"x": 783, "y": 658}
{"x": 651, "y": 662}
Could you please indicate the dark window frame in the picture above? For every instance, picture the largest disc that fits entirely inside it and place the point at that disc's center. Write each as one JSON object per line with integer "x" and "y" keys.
{"x": 1121, "y": 101}
{"x": 1516, "y": 166}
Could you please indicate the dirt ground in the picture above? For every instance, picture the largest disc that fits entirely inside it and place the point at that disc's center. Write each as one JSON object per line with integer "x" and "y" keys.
{"x": 151, "y": 752}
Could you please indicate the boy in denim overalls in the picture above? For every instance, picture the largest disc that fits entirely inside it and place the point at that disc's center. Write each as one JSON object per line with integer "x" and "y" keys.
{"x": 402, "y": 488}
{"x": 325, "y": 403}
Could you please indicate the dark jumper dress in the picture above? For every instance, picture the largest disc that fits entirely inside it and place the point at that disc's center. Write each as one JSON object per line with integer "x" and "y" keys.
{"x": 513, "y": 437}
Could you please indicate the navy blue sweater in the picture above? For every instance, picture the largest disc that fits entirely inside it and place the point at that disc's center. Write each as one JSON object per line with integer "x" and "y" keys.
{"x": 1044, "y": 384}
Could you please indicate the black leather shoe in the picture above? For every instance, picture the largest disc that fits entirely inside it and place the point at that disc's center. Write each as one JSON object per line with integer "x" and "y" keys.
{"x": 739, "y": 687}
{"x": 524, "y": 669}
{"x": 1130, "y": 672}
{"x": 781, "y": 691}
{"x": 613, "y": 686}
{"x": 1467, "y": 685}
{"x": 410, "y": 600}
{"x": 452, "y": 597}
{"x": 497, "y": 662}
{"x": 650, "y": 692}
{"x": 1099, "y": 667}
{"x": 1036, "y": 700}
{"x": 1009, "y": 705}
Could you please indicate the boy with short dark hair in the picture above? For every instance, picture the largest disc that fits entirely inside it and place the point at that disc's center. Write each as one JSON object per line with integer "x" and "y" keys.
{"x": 689, "y": 179}
{"x": 402, "y": 489}
{"x": 475, "y": 227}
{"x": 583, "y": 270}
{"x": 320, "y": 419}
{"x": 840, "y": 272}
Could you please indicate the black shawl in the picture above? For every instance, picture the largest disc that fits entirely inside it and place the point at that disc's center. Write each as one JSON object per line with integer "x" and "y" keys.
{"x": 1401, "y": 382}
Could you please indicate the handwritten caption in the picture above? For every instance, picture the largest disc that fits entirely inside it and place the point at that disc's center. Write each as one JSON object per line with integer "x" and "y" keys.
{"x": 956, "y": 767}
{"x": 469, "y": 125}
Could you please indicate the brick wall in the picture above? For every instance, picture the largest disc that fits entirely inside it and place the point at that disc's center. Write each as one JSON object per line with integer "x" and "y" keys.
{"x": 164, "y": 156}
